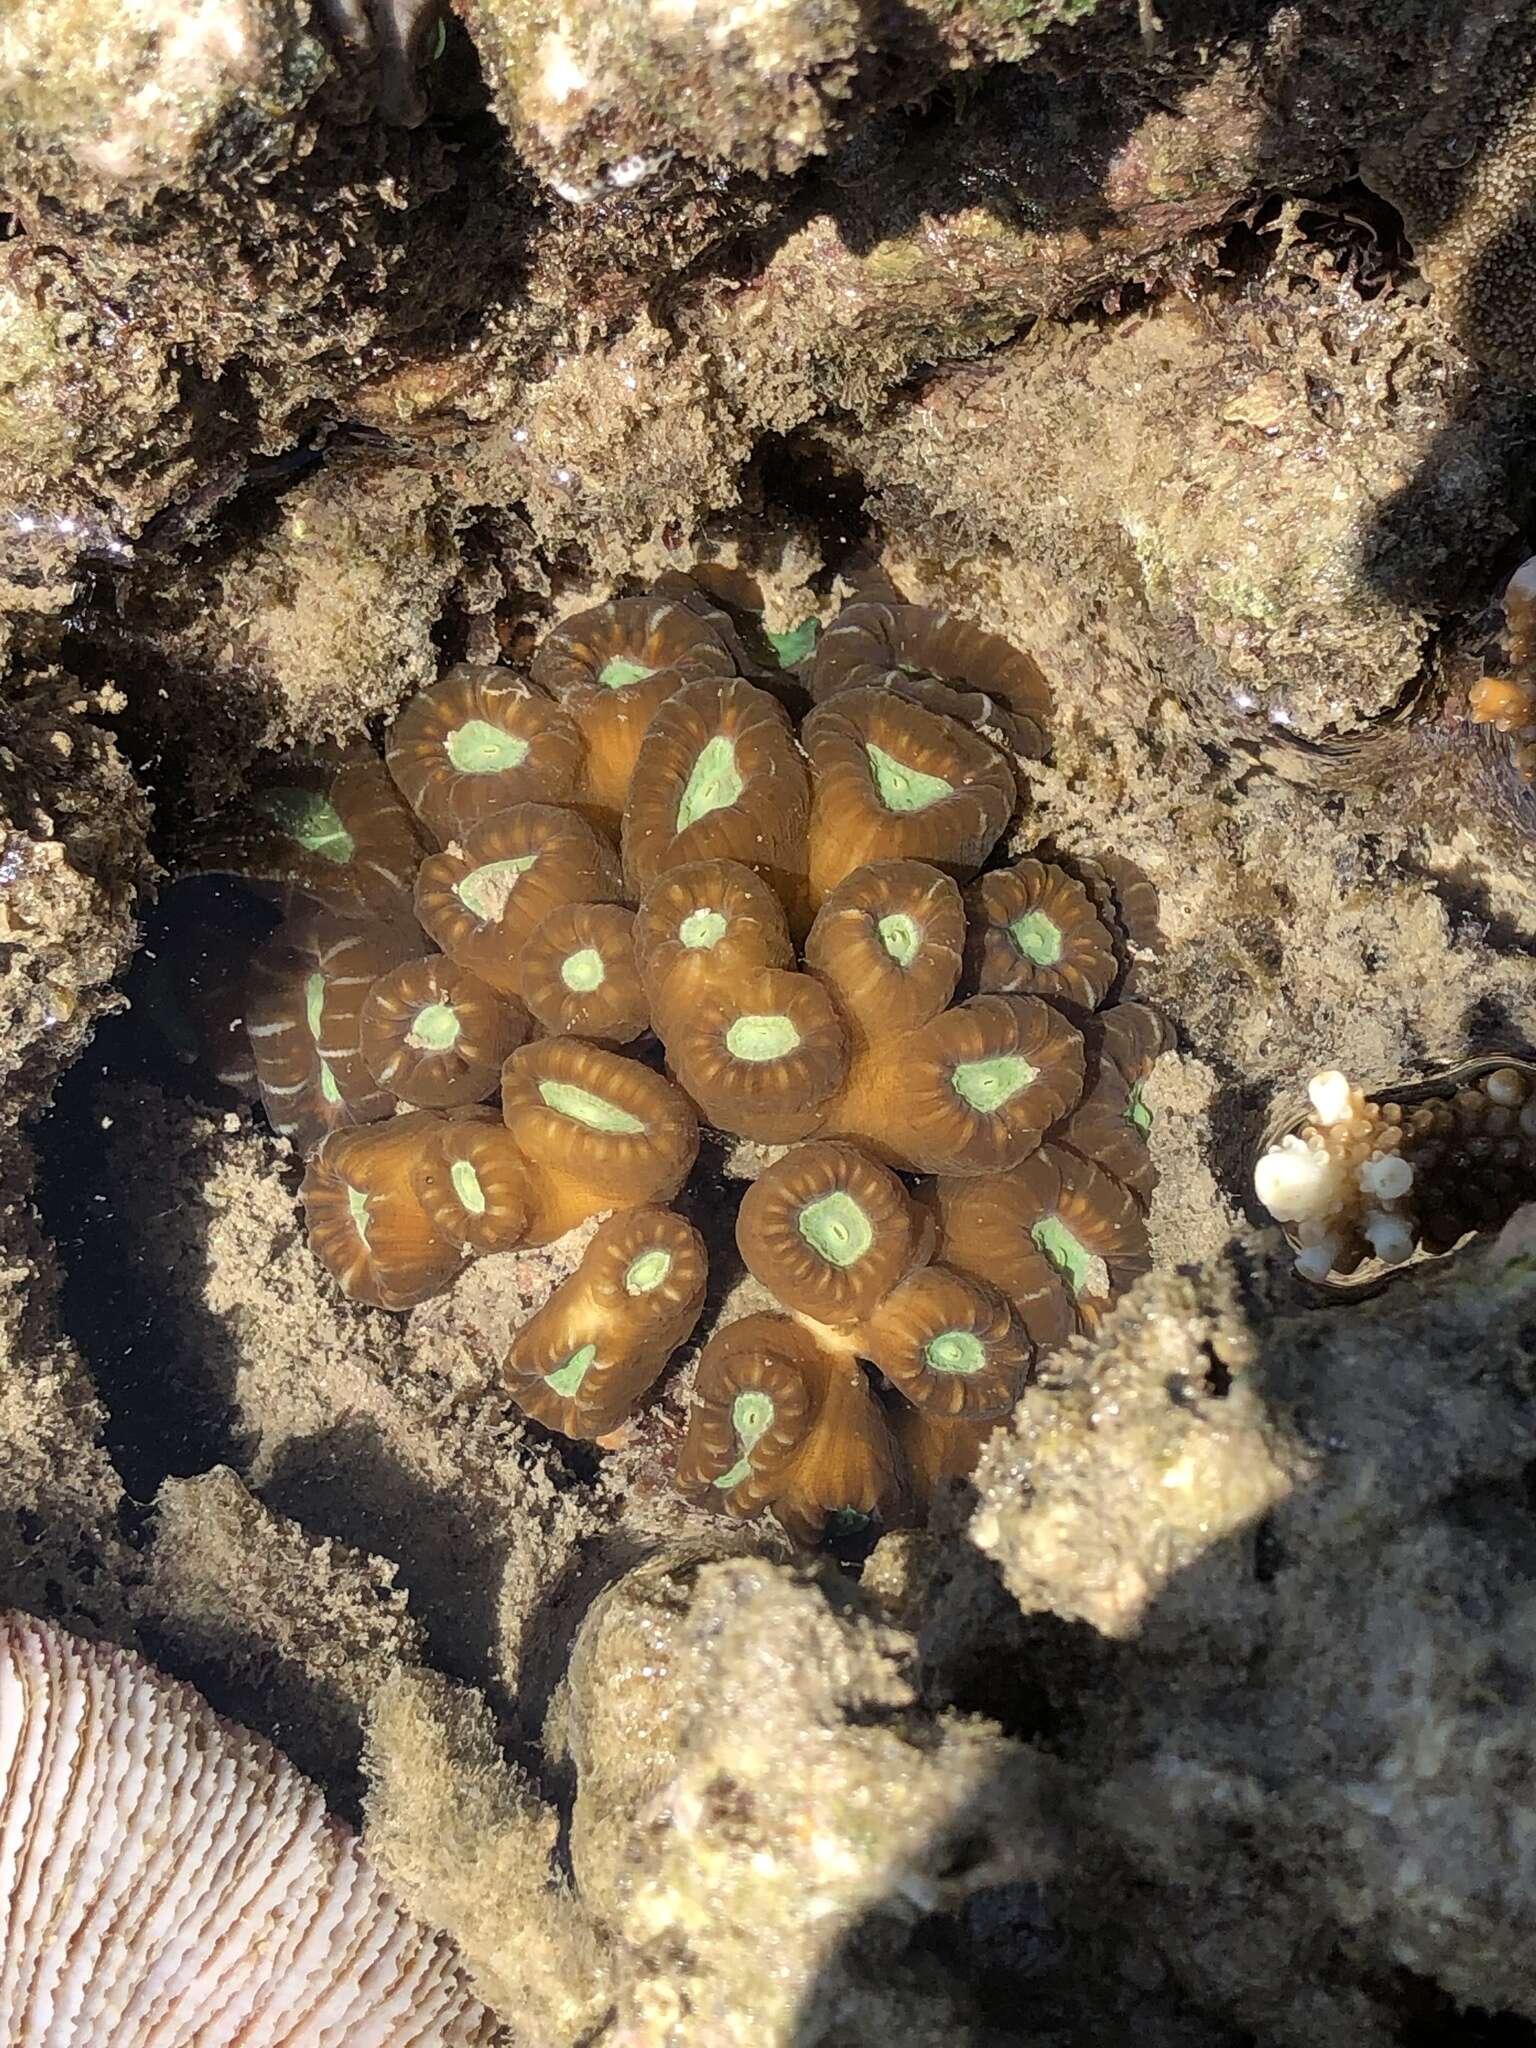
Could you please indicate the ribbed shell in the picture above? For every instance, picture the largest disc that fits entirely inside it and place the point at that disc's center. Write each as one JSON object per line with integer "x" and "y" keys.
{"x": 168, "y": 1881}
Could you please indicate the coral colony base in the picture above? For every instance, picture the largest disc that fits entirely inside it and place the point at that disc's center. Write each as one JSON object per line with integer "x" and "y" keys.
{"x": 574, "y": 914}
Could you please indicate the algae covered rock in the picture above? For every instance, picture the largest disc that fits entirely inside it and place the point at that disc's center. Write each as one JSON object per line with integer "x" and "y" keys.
{"x": 73, "y": 854}
{"x": 1266, "y": 477}
{"x": 756, "y": 1787}
{"x": 1119, "y": 1475}
{"x": 114, "y": 103}
{"x": 466, "y": 1841}
{"x": 1312, "y": 1741}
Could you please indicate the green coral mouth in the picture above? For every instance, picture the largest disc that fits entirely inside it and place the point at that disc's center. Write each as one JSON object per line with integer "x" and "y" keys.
{"x": 986, "y": 1085}
{"x": 313, "y": 820}
{"x": 836, "y": 1227}
{"x": 902, "y": 788}
{"x": 714, "y": 785}
{"x": 479, "y": 748}
{"x": 1037, "y": 938}
{"x": 583, "y": 1107}
{"x": 1084, "y": 1271}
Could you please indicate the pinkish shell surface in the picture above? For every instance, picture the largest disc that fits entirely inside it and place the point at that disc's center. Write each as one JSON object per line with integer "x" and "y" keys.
{"x": 167, "y": 1880}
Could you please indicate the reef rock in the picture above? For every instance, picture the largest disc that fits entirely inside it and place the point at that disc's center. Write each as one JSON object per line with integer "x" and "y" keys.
{"x": 755, "y": 1784}
{"x": 1298, "y": 1537}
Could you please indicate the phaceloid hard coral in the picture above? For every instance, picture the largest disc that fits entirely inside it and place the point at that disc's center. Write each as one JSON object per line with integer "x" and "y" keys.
{"x": 579, "y": 977}
{"x": 1038, "y": 934}
{"x": 830, "y": 1232}
{"x": 333, "y": 829}
{"x": 366, "y": 1221}
{"x": 761, "y": 1054}
{"x": 611, "y": 669}
{"x": 888, "y": 942}
{"x": 477, "y": 742}
{"x": 484, "y": 899}
{"x": 782, "y": 1421}
{"x": 891, "y": 781}
{"x": 583, "y": 1361}
{"x": 598, "y": 1131}
{"x": 435, "y": 1035}
{"x": 304, "y": 1001}
{"x": 950, "y": 1344}
{"x": 1059, "y": 1236}
{"x": 970, "y": 1036}
{"x": 945, "y": 663}
{"x": 973, "y": 1091}
{"x": 170, "y": 1879}
{"x": 474, "y": 1183}
{"x": 718, "y": 777}
{"x": 705, "y": 923}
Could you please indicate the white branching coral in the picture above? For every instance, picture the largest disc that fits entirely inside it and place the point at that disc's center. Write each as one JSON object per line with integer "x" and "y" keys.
{"x": 1339, "y": 1181}
{"x": 1362, "y": 1179}
{"x": 171, "y": 1882}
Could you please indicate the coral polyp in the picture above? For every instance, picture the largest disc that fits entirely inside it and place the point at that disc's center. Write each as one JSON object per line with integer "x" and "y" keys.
{"x": 477, "y": 742}
{"x": 578, "y": 974}
{"x": 945, "y": 663}
{"x": 611, "y": 669}
{"x": 366, "y": 1221}
{"x": 718, "y": 777}
{"x": 830, "y": 1232}
{"x": 482, "y": 900}
{"x": 632, "y": 841}
{"x": 1037, "y": 933}
{"x": 584, "y": 1360}
{"x": 891, "y": 781}
{"x": 435, "y": 1035}
{"x": 780, "y": 1420}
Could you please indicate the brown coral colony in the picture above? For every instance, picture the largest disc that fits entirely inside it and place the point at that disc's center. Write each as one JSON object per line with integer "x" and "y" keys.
{"x": 630, "y": 843}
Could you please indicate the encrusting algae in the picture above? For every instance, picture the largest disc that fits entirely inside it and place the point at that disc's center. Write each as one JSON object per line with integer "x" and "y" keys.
{"x": 658, "y": 905}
